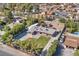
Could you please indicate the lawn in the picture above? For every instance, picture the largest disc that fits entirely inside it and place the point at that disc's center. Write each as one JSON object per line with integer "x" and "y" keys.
{"x": 42, "y": 41}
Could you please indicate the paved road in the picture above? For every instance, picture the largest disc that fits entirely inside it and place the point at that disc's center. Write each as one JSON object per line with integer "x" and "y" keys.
{"x": 3, "y": 53}
{"x": 6, "y": 50}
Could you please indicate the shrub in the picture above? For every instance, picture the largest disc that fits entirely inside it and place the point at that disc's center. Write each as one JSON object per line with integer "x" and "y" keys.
{"x": 52, "y": 49}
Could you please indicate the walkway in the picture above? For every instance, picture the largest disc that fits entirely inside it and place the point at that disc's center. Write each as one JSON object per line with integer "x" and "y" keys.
{"x": 44, "y": 51}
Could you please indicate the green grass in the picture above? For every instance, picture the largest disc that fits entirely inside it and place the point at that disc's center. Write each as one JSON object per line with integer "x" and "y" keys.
{"x": 42, "y": 41}
{"x": 76, "y": 53}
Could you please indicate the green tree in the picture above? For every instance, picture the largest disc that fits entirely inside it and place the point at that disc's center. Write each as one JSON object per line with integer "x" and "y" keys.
{"x": 4, "y": 37}
{"x": 1, "y": 22}
{"x": 6, "y": 28}
{"x": 71, "y": 25}
{"x": 52, "y": 49}
{"x": 9, "y": 15}
{"x": 17, "y": 28}
{"x": 9, "y": 40}
{"x": 62, "y": 20}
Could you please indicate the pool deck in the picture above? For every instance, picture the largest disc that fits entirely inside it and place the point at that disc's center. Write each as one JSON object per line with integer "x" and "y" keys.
{"x": 76, "y": 33}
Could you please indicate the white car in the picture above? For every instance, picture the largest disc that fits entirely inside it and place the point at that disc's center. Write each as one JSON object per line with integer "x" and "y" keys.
{"x": 62, "y": 39}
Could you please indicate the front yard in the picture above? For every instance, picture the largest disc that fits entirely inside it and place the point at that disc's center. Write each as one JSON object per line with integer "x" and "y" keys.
{"x": 32, "y": 45}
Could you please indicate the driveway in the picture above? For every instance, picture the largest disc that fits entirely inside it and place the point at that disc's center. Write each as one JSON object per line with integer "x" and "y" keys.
{"x": 67, "y": 52}
{"x": 61, "y": 51}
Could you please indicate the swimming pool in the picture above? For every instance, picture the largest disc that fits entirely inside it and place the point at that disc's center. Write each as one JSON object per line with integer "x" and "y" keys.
{"x": 76, "y": 33}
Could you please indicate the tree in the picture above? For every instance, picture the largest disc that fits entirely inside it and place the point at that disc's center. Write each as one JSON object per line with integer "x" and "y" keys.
{"x": 71, "y": 25}
{"x": 9, "y": 15}
{"x": 2, "y": 23}
{"x": 30, "y": 7}
{"x": 52, "y": 49}
{"x": 6, "y": 28}
{"x": 4, "y": 37}
{"x": 17, "y": 28}
{"x": 9, "y": 40}
{"x": 62, "y": 20}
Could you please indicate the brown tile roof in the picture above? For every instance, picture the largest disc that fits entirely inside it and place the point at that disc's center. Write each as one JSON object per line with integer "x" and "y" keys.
{"x": 71, "y": 41}
{"x": 56, "y": 24}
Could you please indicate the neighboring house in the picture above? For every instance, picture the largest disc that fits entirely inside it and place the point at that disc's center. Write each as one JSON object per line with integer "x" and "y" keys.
{"x": 61, "y": 14}
{"x": 55, "y": 24}
{"x": 17, "y": 19}
{"x": 71, "y": 41}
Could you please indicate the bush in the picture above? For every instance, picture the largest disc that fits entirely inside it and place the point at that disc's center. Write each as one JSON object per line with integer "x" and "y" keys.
{"x": 5, "y": 36}
{"x": 62, "y": 20}
{"x": 17, "y": 28}
{"x": 76, "y": 53}
{"x": 6, "y": 28}
{"x": 2, "y": 23}
{"x": 52, "y": 49}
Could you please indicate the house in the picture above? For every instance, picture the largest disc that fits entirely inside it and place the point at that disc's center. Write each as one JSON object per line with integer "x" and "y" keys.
{"x": 55, "y": 24}
{"x": 71, "y": 41}
{"x": 17, "y": 19}
{"x": 48, "y": 30}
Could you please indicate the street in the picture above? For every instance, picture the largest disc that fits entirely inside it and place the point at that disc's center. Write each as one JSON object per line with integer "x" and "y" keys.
{"x": 6, "y": 50}
{"x": 3, "y": 53}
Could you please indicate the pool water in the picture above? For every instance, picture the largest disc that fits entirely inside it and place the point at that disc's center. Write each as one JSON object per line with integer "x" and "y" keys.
{"x": 76, "y": 33}
{"x": 21, "y": 34}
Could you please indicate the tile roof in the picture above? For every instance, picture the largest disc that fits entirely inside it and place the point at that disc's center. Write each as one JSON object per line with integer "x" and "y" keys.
{"x": 71, "y": 41}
